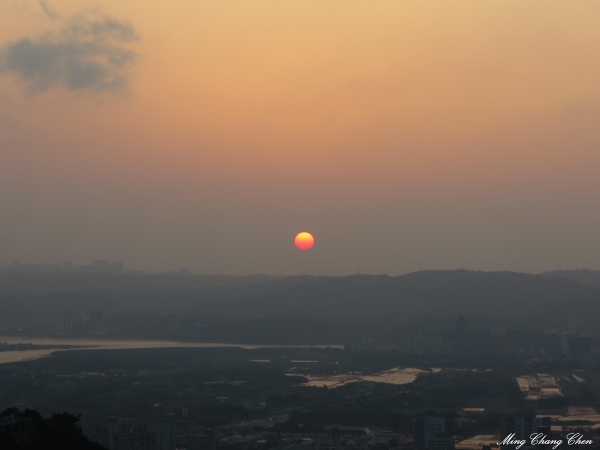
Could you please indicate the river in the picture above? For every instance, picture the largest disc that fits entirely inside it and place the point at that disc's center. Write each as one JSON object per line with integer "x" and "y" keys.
{"x": 113, "y": 344}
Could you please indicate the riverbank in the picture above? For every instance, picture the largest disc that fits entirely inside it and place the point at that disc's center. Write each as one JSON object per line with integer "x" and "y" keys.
{"x": 52, "y": 345}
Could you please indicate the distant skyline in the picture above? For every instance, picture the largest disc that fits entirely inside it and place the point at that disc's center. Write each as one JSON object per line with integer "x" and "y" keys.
{"x": 207, "y": 135}
{"x": 119, "y": 267}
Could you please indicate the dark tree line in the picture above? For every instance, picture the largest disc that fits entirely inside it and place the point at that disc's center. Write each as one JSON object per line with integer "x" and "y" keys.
{"x": 28, "y": 430}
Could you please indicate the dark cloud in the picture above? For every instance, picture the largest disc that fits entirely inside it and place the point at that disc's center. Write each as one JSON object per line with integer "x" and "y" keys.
{"x": 7, "y": 119}
{"x": 85, "y": 55}
{"x": 50, "y": 13}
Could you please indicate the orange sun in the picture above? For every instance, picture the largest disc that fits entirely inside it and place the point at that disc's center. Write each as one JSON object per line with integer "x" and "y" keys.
{"x": 304, "y": 240}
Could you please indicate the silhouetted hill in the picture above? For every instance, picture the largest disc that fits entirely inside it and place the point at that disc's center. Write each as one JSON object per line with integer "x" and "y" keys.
{"x": 585, "y": 276}
{"x": 458, "y": 292}
{"x": 505, "y": 299}
{"x": 37, "y": 284}
{"x": 120, "y": 293}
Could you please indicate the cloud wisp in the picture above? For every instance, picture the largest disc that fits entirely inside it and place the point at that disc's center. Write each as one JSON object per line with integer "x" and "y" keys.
{"x": 91, "y": 55}
{"x": 7, "y": 119}
{"x": 50, "y": 12}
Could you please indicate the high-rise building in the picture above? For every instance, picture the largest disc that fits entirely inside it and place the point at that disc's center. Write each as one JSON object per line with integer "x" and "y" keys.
{"x": 579, "y": 346}
{"x": 461, "y": 326}
{"x": 445, "y": 442}
{"x": 118, "y": 431}
{"x": 117, "y": 267}
{"x": 427, "y": 428}
{"x": 101, "y": 265}
{"x": 550, "y": 439}
{"x": 123, "y": 440}
{"x": 14, "y": 424}
{"x": 461, "y": 337}
{"x": 165, "y": 436}
{"x": 96, "y": 315}
{"x": 96, "y": 321}
{"x": 121, "y": 434}
{"x": 143, "y": 437}
{"x": 523, "y": 427}
{"x": 72, "y": 323}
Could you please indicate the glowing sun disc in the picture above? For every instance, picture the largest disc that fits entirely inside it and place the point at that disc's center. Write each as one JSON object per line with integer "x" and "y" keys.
{"x": 304, "y": 240}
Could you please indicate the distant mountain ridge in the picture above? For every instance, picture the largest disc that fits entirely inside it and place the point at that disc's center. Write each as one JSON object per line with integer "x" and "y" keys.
{"x": 48, "y": 283}
{"x": 456, "y": 292}
{"x": 585, "y": 276}
{"x": 510, "y": 296}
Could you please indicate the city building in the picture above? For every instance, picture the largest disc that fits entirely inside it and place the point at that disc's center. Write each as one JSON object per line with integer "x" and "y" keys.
{"x": 165, "y": 436}
{"x": 121, "y": 434}
{"x": 72, "y": 323}
{"x": 427, "y": 428}
{"x": 202, "y": 441}
{"x": 102, "y": 265}
{"x": 523, "y": 427}
{"x": 331, "y": 443}
{"x": 96, "y": 321}
{"x": 14, "y": 424}
{"x": 579, "y": 347}
{"x": 346, "y": 432}
{"x": 117, "y": 267}
{"x": 441, "y": 442}
{"x": 550, "y": 440}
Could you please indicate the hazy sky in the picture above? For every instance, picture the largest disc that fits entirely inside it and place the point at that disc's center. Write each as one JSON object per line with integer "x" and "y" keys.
{"x": 206, "y": 134}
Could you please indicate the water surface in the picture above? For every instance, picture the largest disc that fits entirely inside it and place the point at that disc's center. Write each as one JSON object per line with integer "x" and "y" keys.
{"x": 113, "y": 344}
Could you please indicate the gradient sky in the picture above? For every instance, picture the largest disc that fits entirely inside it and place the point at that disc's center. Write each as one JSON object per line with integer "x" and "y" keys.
{"x": 206, "y": 134}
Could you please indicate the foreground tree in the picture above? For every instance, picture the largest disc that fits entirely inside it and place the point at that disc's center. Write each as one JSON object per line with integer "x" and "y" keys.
{"x": 30, "y": 431}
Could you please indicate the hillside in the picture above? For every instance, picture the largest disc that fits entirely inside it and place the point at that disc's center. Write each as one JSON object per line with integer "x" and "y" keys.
{"x": 490, "y": 299}
{"x": 440, "y": 293}
{"x": 585, "y": 276}
{"x": 156, "y": 294}
{"x": 49, "y": 283}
